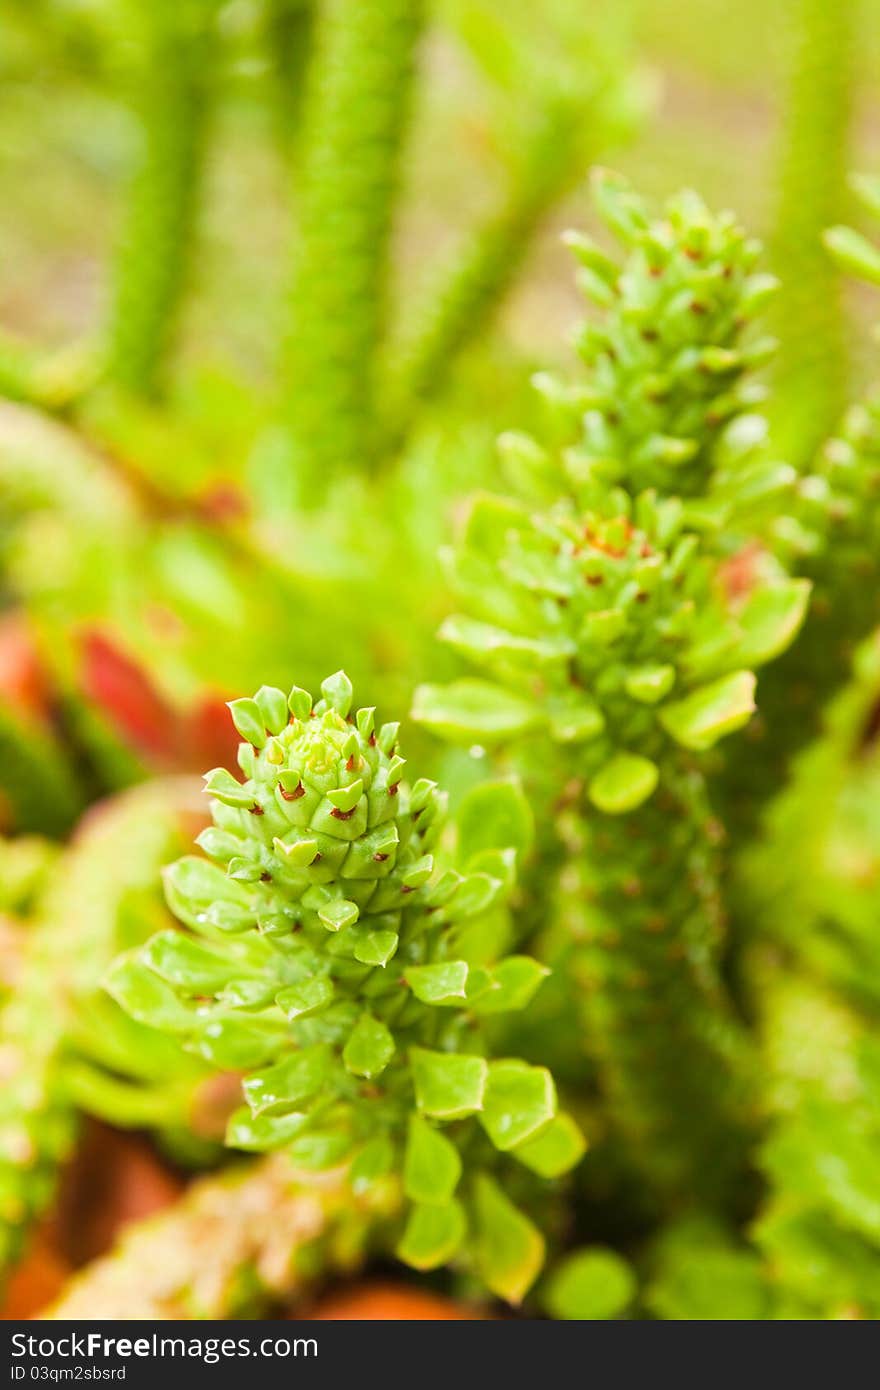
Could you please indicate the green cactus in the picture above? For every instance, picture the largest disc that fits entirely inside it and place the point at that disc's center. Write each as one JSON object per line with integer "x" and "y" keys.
{"x": 351, "y": 981}
{"x": 175, "y": 77}
{"x": 667, "y": 357}
{"x": 810, "y": 376}
{"x": 605, "y": 626}
{"x": 289, "y": 27}
{"x": 355, "y": 120}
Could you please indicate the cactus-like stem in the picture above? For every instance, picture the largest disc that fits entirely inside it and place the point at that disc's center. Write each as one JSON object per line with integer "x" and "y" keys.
{"x": 672, "y": 1059}
{"x": 811, "y": 370}
{"x": 349, "y": 981}
{"x": 355, "y": 120}
{"x": 154, "y": 258}
{"x": 602, "y": 622}
{"x": 234, "y": 1246}
{"x": 289, "y": 28}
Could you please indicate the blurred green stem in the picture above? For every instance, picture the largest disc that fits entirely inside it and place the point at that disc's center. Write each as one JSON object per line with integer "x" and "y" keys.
{"x": 357, "y": 105}
{"x": 155, "y": 253}
{"x": 811, "y": 372}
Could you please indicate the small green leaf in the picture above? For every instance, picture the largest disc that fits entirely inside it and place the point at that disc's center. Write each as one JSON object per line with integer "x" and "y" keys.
{"x": 702, "y": 718}
{"x": 338, "y": 913}
{"x": 190, "y": 965}
{"x": 448, "y": 1085}
{"x": 519, "y": 1101}
{"x": 509, "y": 1249}
{"x": 469, "y": 710}
{"x": 576, "y": 722}
{"x": 431, "y": 1167}
{"x": 474, "y": 894}
{"x": 299, "y": 702}
{"x": 515, "y": 981}
{"x": 375, "y": 1160}
{"x": 443, "y": 983}
{"x": 289, "y": 1082}
{"x": 194, "y": 886}
{"x": 495, "y": 815}
{"x": 604, "y": 628}
{"x": 263, "y": 1133}
{"x": 248, "y": 720}
{"x": 272, "y": 704}
{"x": 433, "y": 1234}
{"x": 146, "y": 998}
{"x": 298, "y": 854}
{"x": 589, "y": 1285}
{"x": 770, "y": 620}
{"x": 649, "y": 684}
{"x": 346, "y": 798}
{"x": 221, "y": 784}
{"x": 235, "y": 1041}
{"x": 558, "y": 1147}
{"x": 298, "y": 1001}
{"x": 338, "y": 692}
{"x": 482, "y": 643}
{"x": 854, "y": 253}
{"x": 375, "y": 947}
{"x": 623, "y": 783}
{"x": 319, "y": 1150}
{"x": 369, "y": 1049}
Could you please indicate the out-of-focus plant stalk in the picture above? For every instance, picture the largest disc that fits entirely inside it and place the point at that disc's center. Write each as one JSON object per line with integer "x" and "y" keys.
{"x": 811, "y": 370}
{"x": 155, "y": 254}
{"x": 355, "y": 120}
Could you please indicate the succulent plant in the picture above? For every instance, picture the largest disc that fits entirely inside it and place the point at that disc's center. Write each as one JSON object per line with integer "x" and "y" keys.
{"x": 352, "y": 980}
{"x": 174, "y": 80}
{"x": 668, "y": 356}
{"x": 611, "y": 631}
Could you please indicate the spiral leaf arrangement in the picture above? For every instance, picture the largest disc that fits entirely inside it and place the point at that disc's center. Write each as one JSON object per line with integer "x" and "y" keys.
{"x": 606, "y": 625}
{"x": 351, "y": 978}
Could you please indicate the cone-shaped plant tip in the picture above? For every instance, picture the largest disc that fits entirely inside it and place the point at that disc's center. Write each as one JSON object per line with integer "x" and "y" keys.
{"x": 601, "y": 620}
{"x": 330, "y": 959}
{"x": 668, "y": 352}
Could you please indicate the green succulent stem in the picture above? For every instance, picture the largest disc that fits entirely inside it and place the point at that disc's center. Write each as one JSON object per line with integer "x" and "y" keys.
{"x": 357, "y": 106}
{"x": 154, "y": 261}
{"x": 672, "y": 1059}
{"x": 811, "y": 370}
{"x": 289, "y": 31}
{"x": 351, "y": 977}
{"x": 604, "y": 633}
